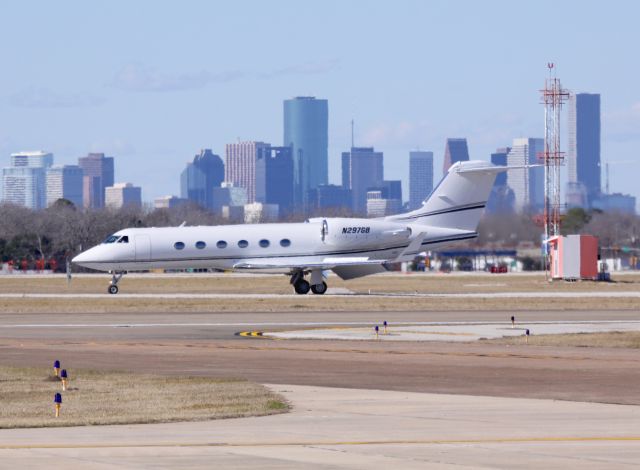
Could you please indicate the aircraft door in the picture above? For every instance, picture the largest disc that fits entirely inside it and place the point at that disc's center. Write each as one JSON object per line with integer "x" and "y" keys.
{"x": 143, "y": 248}
{"x": 325, "y": 230}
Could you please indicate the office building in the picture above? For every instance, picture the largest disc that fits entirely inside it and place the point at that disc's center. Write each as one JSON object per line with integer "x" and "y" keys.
{"x": 379, "y": 206}
{"x": 240, "y": 168}
{"x": 420, "y": 177}
{"x": 258, "y": 212}
{"x": 123, "y": 195}
{"x": 64, "y": 182}
{"x": 455, "y": 150}
{"x": 274, "y": 177}
{"x": 168, "y": 202}
{"x": 362, "y": 169}
{"x": 576, "y": 195}
{"x": 616, "y": 202}
{"x": 200, "y": 176}
{"x": 37, "y": 159}
{"x": 306, "y": 124}
{"x": 502, "y": 198}
{"x": 583, "y": 143}
{"x": 228, "y": 195}
{"x": 98, "y": 174}
{"x": 329, "y": 196}
{"x": 24, "y": 182}
{"x": 527, "y": 183}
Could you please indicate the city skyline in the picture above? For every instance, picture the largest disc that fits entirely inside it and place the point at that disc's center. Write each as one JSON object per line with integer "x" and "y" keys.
{"x": 158, "y": 94}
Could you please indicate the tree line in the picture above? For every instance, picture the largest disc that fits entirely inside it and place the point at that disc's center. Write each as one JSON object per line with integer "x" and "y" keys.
{"x": 47, "y": 238}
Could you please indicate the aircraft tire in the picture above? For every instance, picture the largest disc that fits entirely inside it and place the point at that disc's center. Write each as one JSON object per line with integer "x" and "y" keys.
{"x": 319, "y": 288}
{"x": 113, "y": 289}
{"x": 302, "y": 287}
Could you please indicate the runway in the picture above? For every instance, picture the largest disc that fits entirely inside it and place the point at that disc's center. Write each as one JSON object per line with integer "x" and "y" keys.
{"x": 364, "y": 404}
{"x": 207, "y": 344}
{"x": 355, "y": 429}
{"x": 336, "y": 293}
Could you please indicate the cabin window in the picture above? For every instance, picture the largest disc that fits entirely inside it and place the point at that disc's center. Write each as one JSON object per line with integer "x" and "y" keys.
{"x": 200, "y": 245}
{"x": 285, "y": 242}
{"x": 178, "y": 245}
{"x": 124, "y": 239}
{"x": 264, "y": 243}
{"x": 243, "y": 243}
{"x": 221, "y": 244}
{"x": 111, "y": 239}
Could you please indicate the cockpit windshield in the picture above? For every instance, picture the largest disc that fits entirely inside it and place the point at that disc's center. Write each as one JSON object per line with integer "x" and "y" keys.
{"x": 117, "y": 238}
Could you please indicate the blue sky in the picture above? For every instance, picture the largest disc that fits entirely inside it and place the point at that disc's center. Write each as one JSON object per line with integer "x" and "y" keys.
{"x": 152, "y": 82}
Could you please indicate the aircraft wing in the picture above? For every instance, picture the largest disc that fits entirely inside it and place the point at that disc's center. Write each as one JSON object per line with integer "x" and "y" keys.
{"x": 346, "y": 267}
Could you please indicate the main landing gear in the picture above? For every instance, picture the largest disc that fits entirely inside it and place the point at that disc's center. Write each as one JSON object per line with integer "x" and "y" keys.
{"x": 113, "y": 285}
{"x": 301, "y": 286}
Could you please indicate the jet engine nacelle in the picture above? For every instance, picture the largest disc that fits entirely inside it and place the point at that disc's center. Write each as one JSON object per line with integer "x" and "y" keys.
{"x": 342, "y": 231}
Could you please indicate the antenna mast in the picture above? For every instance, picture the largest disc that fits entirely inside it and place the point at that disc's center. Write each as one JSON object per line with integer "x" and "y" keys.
{"x": 352, "y": 133}
{"x": 553, "y": 96}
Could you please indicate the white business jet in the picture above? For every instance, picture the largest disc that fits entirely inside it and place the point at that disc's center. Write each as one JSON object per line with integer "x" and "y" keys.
{"x": 350, "y": 247}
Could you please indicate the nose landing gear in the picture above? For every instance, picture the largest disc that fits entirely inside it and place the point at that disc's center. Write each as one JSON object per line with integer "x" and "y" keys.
{"x": 113, "y": 285}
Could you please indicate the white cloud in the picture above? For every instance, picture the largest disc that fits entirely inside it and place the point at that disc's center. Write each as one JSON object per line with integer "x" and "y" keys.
{"x": 138, "y": 77}
{"x": 46, "y": 98}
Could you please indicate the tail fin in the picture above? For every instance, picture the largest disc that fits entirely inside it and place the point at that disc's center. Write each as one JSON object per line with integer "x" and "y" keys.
{"x": 459, "y": 199}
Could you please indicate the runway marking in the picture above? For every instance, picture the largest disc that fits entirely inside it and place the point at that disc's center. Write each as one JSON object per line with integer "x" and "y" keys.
{"x": 249, "y": 333}
{"x": 337, "y": 324}
{"x": 497, "y": 440}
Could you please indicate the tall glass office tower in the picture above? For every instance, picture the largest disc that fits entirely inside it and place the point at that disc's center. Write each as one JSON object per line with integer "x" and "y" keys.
{"x": 583, "y": 149}
{"x": 306, "y": 122}
{"x": 420, "y": 177}
{"x": 456, "y": 150}
{"x": 200, "y": 177}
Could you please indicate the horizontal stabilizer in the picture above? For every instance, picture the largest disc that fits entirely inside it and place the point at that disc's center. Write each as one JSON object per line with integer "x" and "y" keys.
{"x": 414, "y": 248}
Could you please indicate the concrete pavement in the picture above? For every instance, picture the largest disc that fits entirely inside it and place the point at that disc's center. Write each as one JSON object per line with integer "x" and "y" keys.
{"x": 358, "y": 429}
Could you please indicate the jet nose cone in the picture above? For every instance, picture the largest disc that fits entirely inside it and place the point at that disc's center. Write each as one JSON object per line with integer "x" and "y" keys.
{"x": 79, "y": 258}
{"x": 85, "y": 256}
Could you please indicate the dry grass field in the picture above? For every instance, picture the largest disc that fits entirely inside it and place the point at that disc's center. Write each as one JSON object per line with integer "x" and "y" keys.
{"x": 614, "y": 339}
{"x": 26, "y": 398}
{"x": 272, "y": 284}
{"x": 279, "y": 284}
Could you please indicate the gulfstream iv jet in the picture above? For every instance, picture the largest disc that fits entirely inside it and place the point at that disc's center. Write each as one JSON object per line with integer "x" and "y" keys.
{"x": 350, "y": 247}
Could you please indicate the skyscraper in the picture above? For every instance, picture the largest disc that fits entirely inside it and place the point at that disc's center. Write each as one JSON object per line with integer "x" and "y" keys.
{"x": 583, "y": 149}
{"x": 502, "y": 198}
{"x": 362, "y": 169}
{"x": 24, "y": 182}
{"x": 64, "y": 182}
{"x": 526, "y": 183}
{"x": 123, "y": 194}
{"x": 200, "y": 177}
{"x": 274, "y": 177}
{"x": 420, "y": 177}
{"x": 98, "y": 174}
{"x": 329, "y": 196}
{"x": 240, "y": 168}
{"x": 306, "y": 123}
{"x": 456, "y": 150}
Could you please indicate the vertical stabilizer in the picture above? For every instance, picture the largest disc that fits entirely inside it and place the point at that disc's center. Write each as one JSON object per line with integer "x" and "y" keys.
{"x": 459, "y": 199}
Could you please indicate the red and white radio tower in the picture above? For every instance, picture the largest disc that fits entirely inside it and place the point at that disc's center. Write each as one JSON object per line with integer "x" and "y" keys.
{"x": 553, "y": 96}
